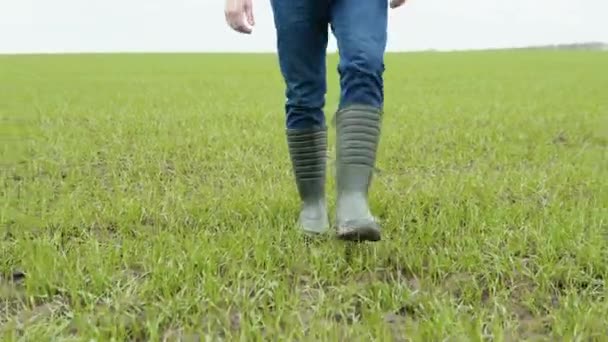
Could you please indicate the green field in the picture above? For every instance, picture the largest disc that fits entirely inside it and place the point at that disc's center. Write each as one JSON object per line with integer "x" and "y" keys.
{"x": 150, "y": 197}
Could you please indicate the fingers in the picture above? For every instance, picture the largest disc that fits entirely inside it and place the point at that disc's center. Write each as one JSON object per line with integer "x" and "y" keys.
{"x": 249, "y": 12}
{"x": 397, "y": 3}
{"x": 237, "y": 22}
{"x": 237, "y": 17}
{"x": 240, "y": 25}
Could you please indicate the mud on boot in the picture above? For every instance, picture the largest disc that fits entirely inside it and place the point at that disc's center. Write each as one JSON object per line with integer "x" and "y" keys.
{"x": 358, "y": 133}
{"x": 308, "y": 153}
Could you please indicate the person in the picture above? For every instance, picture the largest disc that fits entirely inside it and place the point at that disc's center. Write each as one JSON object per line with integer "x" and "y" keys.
{"x": 302, "y": 29}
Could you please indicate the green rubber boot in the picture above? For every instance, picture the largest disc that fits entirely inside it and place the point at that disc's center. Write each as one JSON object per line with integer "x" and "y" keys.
{"x": 358, "y": 133}
{"x": 308, "y": 152}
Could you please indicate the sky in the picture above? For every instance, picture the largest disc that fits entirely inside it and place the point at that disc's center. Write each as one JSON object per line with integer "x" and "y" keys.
{"x": 60, "y": 26}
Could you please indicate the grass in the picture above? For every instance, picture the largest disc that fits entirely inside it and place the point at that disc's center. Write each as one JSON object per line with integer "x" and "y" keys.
{"x": 150, "y": 197}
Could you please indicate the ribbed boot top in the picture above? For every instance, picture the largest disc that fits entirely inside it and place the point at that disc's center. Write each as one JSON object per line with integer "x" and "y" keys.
{"x": 358, "y": 134}
{"x": 308, "y": 151}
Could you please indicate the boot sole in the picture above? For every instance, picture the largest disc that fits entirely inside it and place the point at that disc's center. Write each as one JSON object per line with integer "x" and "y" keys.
{"x": 314, "y": 233}
{"x": 361, "y": 233}
{"x": 320, "y": 227}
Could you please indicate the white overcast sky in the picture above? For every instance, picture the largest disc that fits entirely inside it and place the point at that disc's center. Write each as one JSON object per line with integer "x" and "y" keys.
{"x": 28, "y": 26}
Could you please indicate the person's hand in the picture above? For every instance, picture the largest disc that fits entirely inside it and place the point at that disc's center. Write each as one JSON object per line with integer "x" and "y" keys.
{"x": 397, "y": 3}
{"x": 239, "y": 15}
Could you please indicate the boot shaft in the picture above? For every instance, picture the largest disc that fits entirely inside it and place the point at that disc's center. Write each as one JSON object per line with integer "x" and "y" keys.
{"x": 308, "y": 154}
{"x": 358, "y": 133}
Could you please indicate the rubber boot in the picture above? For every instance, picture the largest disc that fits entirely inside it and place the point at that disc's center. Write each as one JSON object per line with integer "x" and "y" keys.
{"x": 358, "y": 133}
{"x": 308, "y": 152}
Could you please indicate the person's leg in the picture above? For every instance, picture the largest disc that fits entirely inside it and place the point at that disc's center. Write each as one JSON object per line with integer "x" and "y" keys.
{"x": 302, "y": 33}
{"x": 360, "y": 28}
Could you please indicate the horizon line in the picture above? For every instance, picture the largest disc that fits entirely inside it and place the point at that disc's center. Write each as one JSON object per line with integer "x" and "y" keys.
{"x": 564, "y": 46}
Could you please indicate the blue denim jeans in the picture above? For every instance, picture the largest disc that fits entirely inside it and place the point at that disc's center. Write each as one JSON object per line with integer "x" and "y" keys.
{"x": 360, "y": 28}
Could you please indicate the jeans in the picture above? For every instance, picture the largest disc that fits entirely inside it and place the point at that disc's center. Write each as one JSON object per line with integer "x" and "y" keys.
{"x": 360, "y": 28}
